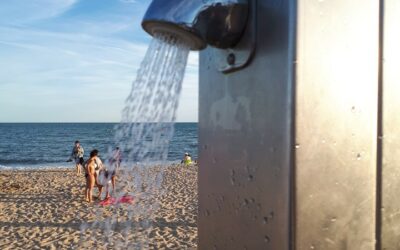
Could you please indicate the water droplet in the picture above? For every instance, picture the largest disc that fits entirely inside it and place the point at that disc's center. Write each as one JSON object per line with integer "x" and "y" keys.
{"x": 207, "y": 213}
{"x": 265, "y": 220}
{"x": 312, "y": 247}
{"x": 358, "y": 156}
{"x": 251, "y": 177}
{"x": 333, "y": 219}
{"x": 233, "y": 180}
{"x": 297, "y": 146}
{"x": 266, "y": 239}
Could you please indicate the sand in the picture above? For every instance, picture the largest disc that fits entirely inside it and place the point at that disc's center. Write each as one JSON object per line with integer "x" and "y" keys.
{"x": 45, "y": 209}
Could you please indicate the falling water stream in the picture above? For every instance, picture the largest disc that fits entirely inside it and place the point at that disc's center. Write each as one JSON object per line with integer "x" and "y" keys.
{"x": 146, "y": 128}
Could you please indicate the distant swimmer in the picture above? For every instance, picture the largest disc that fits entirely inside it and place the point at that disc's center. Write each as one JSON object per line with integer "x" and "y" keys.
{"x": 187, "y": 159}
{"x": 77, "y": 155}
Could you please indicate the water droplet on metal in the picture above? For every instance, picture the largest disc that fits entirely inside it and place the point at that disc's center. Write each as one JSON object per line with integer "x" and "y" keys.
{"x": 266, "y": 239}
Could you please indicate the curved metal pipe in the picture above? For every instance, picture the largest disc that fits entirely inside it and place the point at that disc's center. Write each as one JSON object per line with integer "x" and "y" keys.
{"x": 219, "y": 23}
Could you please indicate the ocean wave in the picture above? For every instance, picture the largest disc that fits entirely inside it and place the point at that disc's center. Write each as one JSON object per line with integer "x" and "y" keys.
{"x": 36, "y": 166}
{"x": 70, "y": 165}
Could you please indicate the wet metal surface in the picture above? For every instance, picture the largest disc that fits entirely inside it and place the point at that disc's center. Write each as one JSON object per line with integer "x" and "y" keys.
{"x": 391, "y": 127}
{"x": 245, "y": 143}
{"x": 219, "y": 23}
{"x": 240, "y": 56}
{"x": 336, "y": 124}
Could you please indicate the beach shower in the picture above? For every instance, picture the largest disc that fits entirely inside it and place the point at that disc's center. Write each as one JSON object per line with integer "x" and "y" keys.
{"x": 225, "y": 25}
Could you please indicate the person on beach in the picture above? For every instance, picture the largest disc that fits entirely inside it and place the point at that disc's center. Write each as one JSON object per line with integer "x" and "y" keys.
{"x": 115, "y": 162}
{"x": 90, "y": 175}
{"x": 187, "y": 159}
{"x": 77, "y": 155}
{"x": 94, "y": 176}
{"x": 116, "y": 157}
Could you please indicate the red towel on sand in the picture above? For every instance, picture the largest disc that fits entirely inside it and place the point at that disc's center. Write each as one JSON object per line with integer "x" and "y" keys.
{"x": 112, "y": 201}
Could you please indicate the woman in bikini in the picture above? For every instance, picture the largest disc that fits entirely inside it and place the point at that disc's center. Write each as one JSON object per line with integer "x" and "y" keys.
{"x": 92, "y": 165}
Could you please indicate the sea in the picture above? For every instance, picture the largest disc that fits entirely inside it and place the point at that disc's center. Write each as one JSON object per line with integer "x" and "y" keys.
{"x": 49, "y": 145}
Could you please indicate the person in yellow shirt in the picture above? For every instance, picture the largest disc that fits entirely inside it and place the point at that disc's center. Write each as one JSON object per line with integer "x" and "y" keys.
{"x": 187, "y": 159}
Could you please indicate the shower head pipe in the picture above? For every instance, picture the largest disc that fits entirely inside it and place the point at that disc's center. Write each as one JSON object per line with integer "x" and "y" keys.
{"x": 218, "y": 23}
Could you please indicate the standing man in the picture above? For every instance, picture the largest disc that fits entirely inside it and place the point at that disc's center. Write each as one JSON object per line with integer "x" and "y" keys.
{"x": 77, "y": 155}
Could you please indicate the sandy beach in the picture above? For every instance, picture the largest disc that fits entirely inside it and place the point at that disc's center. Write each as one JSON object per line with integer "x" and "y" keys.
{"x": 45, "y": 209}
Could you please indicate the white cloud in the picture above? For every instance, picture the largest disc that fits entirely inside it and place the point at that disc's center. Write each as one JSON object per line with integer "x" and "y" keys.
{"x": 67, "y": 74}
{"x": 24, "y": 11}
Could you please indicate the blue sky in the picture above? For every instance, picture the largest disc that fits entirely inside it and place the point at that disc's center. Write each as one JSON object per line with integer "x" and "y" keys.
{"x": 75, "y": 60}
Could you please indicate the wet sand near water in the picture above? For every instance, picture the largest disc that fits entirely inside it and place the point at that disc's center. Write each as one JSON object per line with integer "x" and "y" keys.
{"x": 44, "y": 209}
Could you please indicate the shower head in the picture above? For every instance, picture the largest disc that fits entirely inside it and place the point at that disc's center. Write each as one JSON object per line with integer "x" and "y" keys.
{"x": 218, "y": 23}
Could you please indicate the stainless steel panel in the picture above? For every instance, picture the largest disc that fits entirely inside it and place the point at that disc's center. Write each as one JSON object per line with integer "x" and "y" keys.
{"x": 391, "y": 127}
{"x": 245, "y": 142}
{"x": 336, "y": 124}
